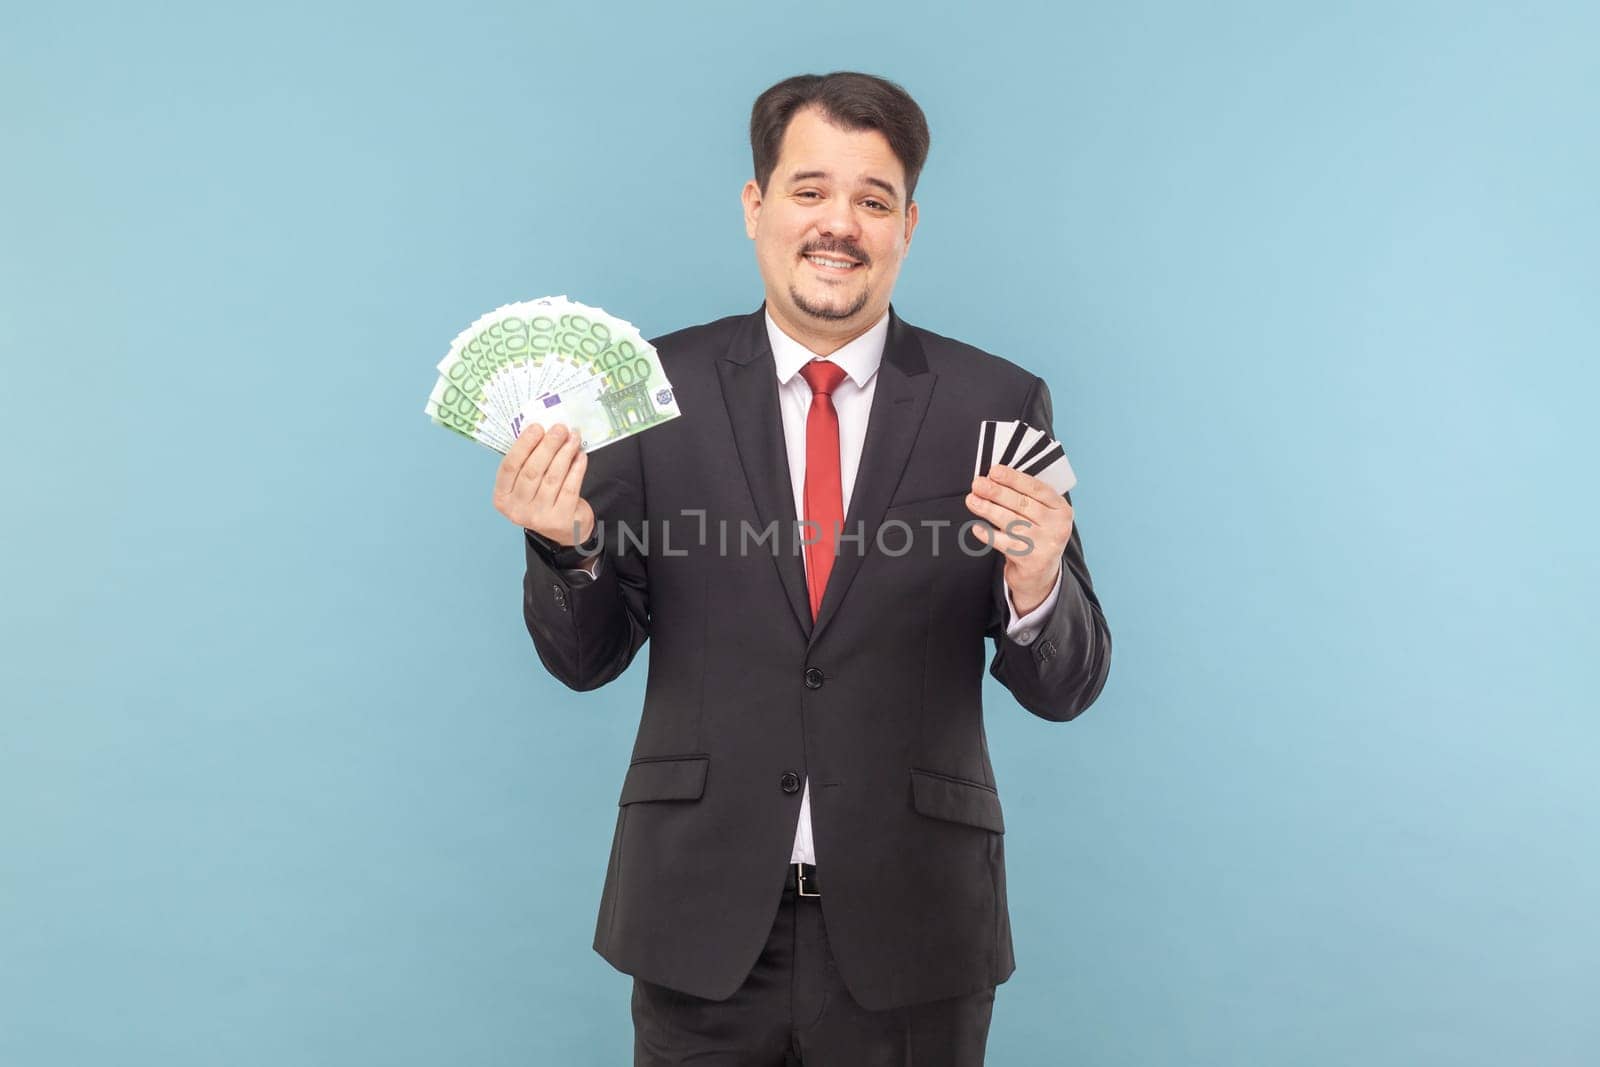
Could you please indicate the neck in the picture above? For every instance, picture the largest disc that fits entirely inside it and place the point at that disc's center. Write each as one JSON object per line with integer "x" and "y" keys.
{"x": 822, "y": 342}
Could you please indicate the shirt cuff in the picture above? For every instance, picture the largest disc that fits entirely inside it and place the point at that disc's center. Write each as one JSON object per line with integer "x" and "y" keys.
{"x": 1024, "y": 629}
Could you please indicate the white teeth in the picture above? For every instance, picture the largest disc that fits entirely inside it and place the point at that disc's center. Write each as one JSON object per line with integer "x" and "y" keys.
{"x": 841, "y": 263}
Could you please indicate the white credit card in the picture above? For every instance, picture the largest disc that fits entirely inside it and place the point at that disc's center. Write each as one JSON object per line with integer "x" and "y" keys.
{"x": 1024, "y": 448}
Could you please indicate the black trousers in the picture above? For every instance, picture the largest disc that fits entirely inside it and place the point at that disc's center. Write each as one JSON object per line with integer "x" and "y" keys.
{"x": 793, "y": 1009}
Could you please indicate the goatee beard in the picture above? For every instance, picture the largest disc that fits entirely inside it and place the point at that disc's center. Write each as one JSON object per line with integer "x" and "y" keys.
{"x": 819, "y": 311}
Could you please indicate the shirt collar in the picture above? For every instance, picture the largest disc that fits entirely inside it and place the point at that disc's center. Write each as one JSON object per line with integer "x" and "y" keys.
{"x": 859, "y": 358}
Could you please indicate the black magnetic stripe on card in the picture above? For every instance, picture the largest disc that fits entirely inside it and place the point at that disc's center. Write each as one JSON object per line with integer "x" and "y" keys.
{"x": 1055, "y": 453}
{"x": 1018, "y": 433}
{"x": 1044, "y": 442}
{"x": 987, "y": 448}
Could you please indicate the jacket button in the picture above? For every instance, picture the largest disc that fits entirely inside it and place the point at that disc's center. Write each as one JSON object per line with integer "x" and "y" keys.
{"x": 790, "y": 782}
{"x": 813, "y": 677}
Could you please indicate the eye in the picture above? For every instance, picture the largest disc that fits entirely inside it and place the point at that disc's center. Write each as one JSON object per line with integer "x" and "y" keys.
{"x": 877, "y": 205}
{"x": 808, "y": 192}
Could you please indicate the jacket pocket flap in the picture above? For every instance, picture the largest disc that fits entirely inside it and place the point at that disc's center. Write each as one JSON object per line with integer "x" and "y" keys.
{"x": 932, "y": 501}
{"x": 944, "y": 797}
{"x": 665, "y": 778}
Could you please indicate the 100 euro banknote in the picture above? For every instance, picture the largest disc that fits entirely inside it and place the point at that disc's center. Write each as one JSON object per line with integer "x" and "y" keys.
{"x": 501, "y": 372}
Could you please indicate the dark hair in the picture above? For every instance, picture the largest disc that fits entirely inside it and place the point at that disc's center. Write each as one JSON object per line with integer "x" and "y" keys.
{"x": 848, "y": 99}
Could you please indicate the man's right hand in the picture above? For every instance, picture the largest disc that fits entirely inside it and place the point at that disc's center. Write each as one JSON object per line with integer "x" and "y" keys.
{"x": 538, "y": 482}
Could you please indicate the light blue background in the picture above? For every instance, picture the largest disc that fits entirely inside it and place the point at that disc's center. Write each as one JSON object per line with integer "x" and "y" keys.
{"x": 1314, "y": 286}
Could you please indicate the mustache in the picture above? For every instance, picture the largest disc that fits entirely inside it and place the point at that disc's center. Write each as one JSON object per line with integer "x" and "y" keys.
{"x": 838, "y": 247}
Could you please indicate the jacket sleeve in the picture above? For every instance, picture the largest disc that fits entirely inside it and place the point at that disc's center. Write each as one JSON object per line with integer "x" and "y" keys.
{"x": 1062, "y": 670}
{"x": 587, "y": 630}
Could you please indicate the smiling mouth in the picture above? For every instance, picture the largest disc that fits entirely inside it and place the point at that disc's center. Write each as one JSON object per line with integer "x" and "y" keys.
{"x": 830, "y": 264}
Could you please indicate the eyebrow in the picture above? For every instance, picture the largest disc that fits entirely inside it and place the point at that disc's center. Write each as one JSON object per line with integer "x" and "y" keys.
{"x": 802, "y": 175}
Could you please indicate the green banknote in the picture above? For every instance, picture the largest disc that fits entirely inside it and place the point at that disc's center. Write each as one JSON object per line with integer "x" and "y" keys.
{"x": 549, "y": 360}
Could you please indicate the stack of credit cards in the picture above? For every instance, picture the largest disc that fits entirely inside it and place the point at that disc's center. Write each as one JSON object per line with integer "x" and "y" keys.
{"x": 1023, "y": 448}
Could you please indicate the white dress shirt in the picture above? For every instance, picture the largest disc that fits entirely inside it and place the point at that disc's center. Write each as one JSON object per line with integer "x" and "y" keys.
{"x": 852, "y": 400}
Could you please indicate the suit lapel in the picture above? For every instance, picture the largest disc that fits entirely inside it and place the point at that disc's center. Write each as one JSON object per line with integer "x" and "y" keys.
{"x": 899, "y": 404}
{"x": 750, "y": 389}
{"x": 749, "y": 380}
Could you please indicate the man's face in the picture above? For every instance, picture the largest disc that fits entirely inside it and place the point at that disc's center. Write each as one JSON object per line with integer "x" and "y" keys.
{"x": 830, "y": 230}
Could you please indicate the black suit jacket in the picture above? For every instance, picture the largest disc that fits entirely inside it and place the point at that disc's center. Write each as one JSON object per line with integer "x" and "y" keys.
{"x": 879, "y": 701}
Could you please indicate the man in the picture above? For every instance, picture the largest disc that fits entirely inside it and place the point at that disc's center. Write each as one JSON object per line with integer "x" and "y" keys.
{"x": 808, "y": 859}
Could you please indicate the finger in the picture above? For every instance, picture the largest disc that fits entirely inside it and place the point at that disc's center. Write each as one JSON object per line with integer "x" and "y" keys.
{"x": 515, "y": 457}
{"x": 1028, "y": 486}
{"x": 1007, "y": 497}
{"x": 556, "y": 473}
{"x": 1018, "y": 491}
{"x": 995, "y": 513}
{"x": 1012, "y": 545}
{"x": 532, "y": 472}
{"x": 1016, "y": 534}
{"x": 567, "y": 499}
{"x": 1001, "y": 541}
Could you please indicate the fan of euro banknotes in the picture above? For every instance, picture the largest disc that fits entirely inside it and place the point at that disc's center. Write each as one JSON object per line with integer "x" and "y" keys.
{"x": 549, "y": 361}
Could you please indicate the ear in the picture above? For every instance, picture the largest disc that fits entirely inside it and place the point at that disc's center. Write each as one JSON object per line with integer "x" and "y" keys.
{"x": 911, "y": 222}
{"x": 751, "y": 196}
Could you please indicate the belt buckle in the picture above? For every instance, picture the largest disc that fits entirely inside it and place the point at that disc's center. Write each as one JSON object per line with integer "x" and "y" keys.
{"x": 800, "y": 882}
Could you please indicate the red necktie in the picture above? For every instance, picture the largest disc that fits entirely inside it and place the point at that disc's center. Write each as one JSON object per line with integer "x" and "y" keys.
{"x": 824, "y": 492}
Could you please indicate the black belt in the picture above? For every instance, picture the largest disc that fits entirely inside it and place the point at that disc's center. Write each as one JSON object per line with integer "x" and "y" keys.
{"x": 803, "y": 877}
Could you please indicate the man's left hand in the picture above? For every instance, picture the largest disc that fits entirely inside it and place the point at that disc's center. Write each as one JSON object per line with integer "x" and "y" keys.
{"x": 1023, "y": 505}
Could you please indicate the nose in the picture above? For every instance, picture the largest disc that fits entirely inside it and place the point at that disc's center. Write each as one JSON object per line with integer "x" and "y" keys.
{"x": 840, "y": 220}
